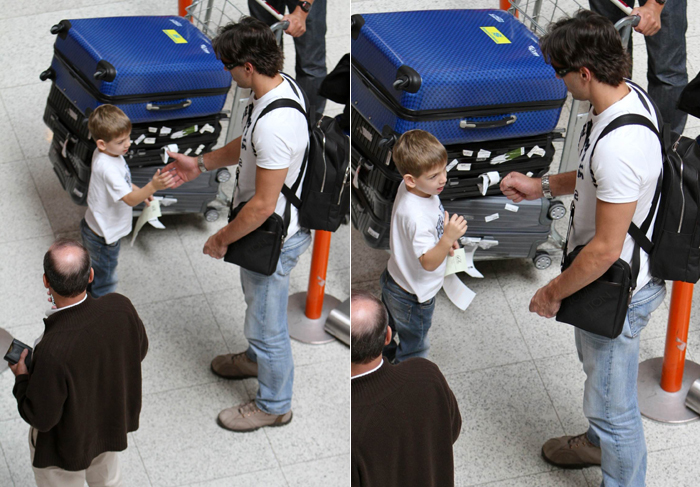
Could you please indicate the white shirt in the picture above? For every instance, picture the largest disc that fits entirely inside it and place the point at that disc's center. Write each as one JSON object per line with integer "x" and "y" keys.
{"x": 110, "y": 181}
{"x": 417, "y": 224}
{"x": 280, "y": 141}
{"x": 625, "y": 168}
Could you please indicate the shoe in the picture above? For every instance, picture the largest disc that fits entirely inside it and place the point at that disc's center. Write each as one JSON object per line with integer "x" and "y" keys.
{"x": 234, "y": 366}
{"x": 571, "y": 452}
{"x": 248, "y": 417}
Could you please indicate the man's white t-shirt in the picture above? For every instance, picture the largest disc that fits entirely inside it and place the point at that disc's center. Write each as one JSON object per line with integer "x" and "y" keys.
{"x": 625, "y": 168}
{"x": 417, "y": 225}
{"x": 280, "y": 140}
{"x": 110, "y": 181}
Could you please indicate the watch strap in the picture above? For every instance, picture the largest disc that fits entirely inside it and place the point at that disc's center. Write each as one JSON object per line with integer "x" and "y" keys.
{"x": 546, "y": 190}
{"x": 200, "y": 163}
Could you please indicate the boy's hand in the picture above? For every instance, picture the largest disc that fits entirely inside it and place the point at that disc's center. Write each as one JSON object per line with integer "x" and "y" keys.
{"x": 454, "y": 227}
{"x": 518, "y": 187}
{"x": 454, "y": 247}
{"x": 183, "y": 169}
{"x": 20, "y": 368}
{"x": 148, "y": 200}
{"x": 162, "y": 180}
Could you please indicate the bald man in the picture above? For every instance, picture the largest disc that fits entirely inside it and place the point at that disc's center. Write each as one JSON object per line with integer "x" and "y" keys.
{"x": 405, "y": 418}
{"x": 83, "y": 392}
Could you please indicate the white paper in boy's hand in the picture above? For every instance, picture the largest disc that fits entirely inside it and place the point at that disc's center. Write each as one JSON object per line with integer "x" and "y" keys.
{"x": 456, "y": 263}
{"x": 149, "y": 213}
{"x": 460, "y": 295}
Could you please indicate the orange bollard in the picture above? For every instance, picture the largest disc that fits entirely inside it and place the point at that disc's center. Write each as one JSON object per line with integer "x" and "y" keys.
{"x": 182, "y": 7}
{"x": 317, "y": 276}
{"x": 676, "y": 337}
{"x": 505, "y": 5}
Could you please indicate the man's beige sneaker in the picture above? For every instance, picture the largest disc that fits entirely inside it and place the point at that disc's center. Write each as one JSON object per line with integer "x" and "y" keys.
{"x": 571, "y": 452}
{"x": 234, "y": 366}
{"x": 248, "y": 417}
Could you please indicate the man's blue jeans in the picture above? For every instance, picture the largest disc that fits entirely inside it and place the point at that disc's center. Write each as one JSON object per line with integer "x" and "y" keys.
{"x": 610, "y": 392}
{"x": 408, "y": 318}
{"x": 104, "y": 258}
{"x": 266, "y": 327}
{"x": 666, "y": 52}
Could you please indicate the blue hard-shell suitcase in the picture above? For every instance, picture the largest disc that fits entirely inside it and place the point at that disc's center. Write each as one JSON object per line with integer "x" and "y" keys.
{"x": 153, "y": 68}
{"x": 462, "y": 75}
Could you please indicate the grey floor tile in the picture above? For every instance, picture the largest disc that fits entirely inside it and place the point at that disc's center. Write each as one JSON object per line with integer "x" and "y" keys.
{"x": 5, "y": 476}
{"x": 132, "y": 469}
{"x": 8, "y": 404}
{"x": 677, "y": 467}
{"x": 362, "y": 7}
{"x": 15, "y": 443}
{"x": 555, "y": 478}
{"x": 21, "y": 213}
{"x": 506, "y": 416}
{"x": 25, "y": 106}
{"x": 208, "y": 452}
{"x": 265, "y": 478}
{"x": 319, "y": 473}
{"x": 10, "y": 9}
{"x": 338, "y": 20}
{"x": 593, "y": 476}
{"x": 367, "y": 263}
{"x": 22, "y": 292}
{"x": 564, "y": 378}
{"x": 336, "y": 48}
{"x": 183, "y": 338}
{"x": 156, "y": 268}
{"x": 321, "y": 424}
{"x": 63, "y": 215}
{"x": 10, "y": 150}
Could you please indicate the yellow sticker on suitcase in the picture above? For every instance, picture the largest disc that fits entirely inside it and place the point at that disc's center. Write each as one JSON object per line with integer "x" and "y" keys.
{"x": 495, "y": 35}
{"x": 177, "y": 38}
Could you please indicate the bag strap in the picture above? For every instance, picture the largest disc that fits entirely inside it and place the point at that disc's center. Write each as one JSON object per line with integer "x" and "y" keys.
{"x": 638, "y": 234}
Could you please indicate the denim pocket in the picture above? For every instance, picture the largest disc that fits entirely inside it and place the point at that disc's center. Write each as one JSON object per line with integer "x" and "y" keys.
{"x": 639, "y": 312}
{"x": 290, "y": 255}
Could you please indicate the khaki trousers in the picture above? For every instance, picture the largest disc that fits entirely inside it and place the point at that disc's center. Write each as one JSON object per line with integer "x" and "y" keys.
{"x": 102, "y": 472}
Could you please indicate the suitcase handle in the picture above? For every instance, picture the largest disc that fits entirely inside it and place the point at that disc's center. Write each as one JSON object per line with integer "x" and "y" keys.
{"x": 176, "y": 106}
{"x": 466, "y": 124}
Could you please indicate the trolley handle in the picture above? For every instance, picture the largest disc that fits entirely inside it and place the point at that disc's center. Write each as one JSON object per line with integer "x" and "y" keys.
{"x": 176, "y": 106}
{"x": 630, "y": 20}
{"x": 489, "y": 124}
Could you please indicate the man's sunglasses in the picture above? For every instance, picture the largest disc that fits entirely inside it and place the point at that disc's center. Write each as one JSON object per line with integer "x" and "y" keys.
{"x": 230, "y": 66}
{"x": 561, "y": 72}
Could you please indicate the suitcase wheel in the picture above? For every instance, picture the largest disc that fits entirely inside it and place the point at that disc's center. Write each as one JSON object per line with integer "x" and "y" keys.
{"x": 542, "y": 260}
{"x": 48, "y": 74}
{"x": 223, "y": 175}
{"x": 211, "y": 215}
{"x": 557, "y": 210}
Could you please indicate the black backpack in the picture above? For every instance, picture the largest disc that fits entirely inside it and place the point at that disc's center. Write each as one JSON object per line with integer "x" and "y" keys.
{"x": 674, "y": 249}
{"x": 325, "y": 193}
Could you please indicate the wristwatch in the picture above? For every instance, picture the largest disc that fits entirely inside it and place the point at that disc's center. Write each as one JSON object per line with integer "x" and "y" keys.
{"x": 546, "y": 191}
{"x": 306, "y": 6}
{"x": 200, "y": 163}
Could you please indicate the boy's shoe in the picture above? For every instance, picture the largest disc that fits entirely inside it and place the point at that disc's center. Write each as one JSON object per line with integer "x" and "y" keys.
{"x": 234, "y": 366}
{"x": 248, "y": 417}
{"x": 571, "y": 452}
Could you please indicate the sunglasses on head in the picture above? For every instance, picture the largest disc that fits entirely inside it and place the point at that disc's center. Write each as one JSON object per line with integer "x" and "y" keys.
{"x": 561, "y": 72}
{"x": 230, "y": 66}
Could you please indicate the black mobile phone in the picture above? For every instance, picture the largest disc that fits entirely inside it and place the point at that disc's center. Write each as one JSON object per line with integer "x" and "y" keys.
{"x": 15, "y": 351}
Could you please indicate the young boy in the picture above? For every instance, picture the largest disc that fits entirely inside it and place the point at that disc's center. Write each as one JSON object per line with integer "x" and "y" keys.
{"x": 422, "y": 235}
{"x": 111, "y": 195}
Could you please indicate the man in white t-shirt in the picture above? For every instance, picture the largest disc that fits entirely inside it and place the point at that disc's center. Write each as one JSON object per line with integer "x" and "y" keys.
{"x": 269, "y": 154}
{"x": 610, "y": 191}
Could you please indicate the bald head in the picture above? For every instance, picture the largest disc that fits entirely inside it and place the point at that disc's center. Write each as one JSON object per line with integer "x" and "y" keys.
{"x": 367, "y": 327}
{"x": 67, "y": 267}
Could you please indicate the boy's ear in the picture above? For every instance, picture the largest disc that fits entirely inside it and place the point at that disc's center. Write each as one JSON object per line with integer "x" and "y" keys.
{"x": 409, "y": 180}
{"x": 101, "y": 144}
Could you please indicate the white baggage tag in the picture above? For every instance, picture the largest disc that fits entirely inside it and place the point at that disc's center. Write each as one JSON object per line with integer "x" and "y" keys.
{"x": 460, "y": 295}
{"x": 512, "y": 208}
{"x": 451, "y": 165}
{"x": 491, "y": 218}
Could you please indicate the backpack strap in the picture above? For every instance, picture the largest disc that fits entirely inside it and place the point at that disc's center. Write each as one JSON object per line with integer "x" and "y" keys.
{"x": 638, "y": 234}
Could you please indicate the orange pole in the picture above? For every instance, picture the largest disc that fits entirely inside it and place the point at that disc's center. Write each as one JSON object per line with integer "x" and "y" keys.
{"x": 677, "y": 336}
{"x": 317, "y": 277}
{"x": 505, "y": 5}
{"x": 182, "y": 7}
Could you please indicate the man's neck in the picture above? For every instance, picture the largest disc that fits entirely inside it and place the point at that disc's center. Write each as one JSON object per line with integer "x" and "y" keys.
{"x": 606, "y": 96}
{"x": 62, "y": 302}
{"x": 262, "y": 85}
{"x": 357, "y": 369}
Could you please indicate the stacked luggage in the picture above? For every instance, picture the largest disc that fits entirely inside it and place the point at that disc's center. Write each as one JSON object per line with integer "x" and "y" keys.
{"x": 163, "y": 73}
{"x": 477, "y": 81}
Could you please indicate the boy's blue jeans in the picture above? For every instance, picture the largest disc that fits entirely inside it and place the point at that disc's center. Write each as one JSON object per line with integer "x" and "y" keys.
{"x": 408, "y": 318}
{"x": 610, "y": 392}
{"x": 266, "y": 327}
{"x": 104, "y": 259}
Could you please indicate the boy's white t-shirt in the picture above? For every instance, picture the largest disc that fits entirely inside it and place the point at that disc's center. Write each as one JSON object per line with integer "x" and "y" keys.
{"x": 110, "y": 181}
{"x": 280, "y": 141}
{"x": 625, "y": 168}
{"x": 417, "y": 225}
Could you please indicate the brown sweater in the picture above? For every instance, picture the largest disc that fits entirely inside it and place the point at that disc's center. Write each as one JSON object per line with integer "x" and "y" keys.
{"x": 405, "y": 419}
{"x": 83, "y": 393}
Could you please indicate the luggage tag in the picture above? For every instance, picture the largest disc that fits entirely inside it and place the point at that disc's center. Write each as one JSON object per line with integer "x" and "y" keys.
{"x": 536, "y": 151}
{"x": 451, "y": 165}
{"x": 207, "y": 128}
{"x": 185, "y": 132}
{"x": 512, "y": 208}
{"x": 508, "y": 156}
{"x": 165, "y": 149}
{"x": 488, "y": 179}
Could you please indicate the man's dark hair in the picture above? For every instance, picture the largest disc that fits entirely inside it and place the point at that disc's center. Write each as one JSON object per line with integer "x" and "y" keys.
{"x": 588, "y": 40}
{"x": 249, "y": 41}
{"x": 368, "y": 327}
{"x": 67, "y": 278}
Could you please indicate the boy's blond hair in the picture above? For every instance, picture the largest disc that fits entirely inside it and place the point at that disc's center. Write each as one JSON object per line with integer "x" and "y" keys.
{"x": 108, "y": 122}
{"x": 418, "y": 151}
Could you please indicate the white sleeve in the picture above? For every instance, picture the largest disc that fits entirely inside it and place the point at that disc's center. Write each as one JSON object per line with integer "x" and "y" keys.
{"x": 278, "y": 136}
{"x": 419, "y": 236}
{"x": 115, "y": 183}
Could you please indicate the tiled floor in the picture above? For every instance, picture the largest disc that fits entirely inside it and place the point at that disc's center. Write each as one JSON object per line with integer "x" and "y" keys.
{"x": 516, "y": 376}
{"x": 192, "y": 306}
